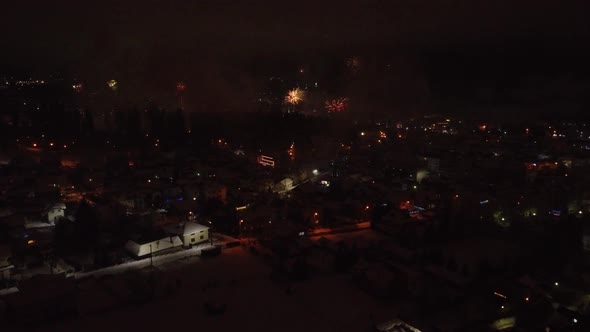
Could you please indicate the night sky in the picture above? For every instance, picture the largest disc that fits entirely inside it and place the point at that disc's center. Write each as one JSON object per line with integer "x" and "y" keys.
{"x": 152, "y": 43}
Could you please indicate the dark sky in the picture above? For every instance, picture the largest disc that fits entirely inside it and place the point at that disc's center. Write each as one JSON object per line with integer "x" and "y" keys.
{"x": 168, "y": 40}
{"x": 131, "y": 31}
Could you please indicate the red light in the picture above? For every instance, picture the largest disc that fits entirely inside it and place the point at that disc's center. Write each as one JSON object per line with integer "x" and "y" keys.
{"x": 34, "y": 145}
{"x": 50, "y": 144}
{"x": 456, "y": 196}
{"x": 241, "y": 221}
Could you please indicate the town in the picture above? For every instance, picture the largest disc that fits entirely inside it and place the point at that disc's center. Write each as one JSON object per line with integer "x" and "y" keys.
{"x": 385, "y": 166}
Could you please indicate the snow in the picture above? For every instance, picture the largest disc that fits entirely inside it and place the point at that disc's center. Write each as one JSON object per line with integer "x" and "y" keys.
{"x": 240, "y": 280}
{"x": 142, "y": 263}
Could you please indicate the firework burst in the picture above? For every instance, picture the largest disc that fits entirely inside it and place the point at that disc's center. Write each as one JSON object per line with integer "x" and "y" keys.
{"x": 337, "y": 105}
{"x": 294, "y": 96}
{"x": 112, "y": 84}
{"x": 180, "y": 87}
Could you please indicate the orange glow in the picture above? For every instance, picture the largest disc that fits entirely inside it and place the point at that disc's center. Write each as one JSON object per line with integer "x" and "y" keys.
{"x": 315, "y": 214}
{"x": 30, "y": 242}
{"x": 483, "y": 127}
{"x": 241, "y": 221}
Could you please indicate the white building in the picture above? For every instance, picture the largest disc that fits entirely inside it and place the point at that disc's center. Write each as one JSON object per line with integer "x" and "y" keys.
{"x": 149, "y": 247}
{"x": 285, "y": 185}
{"x": 191, "y": 233}
{"x": 395, "y": 325}
{"x": 56, "y": 212}
{"x": 194, "y": 233}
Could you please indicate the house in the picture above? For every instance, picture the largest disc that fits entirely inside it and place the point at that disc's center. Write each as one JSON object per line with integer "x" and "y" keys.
{"x": 194, "y": 233}
{"x": 56, "y": 212}
{"x": 395, "y": 325}
{"x": 284, "y": 186}
{"x": 146, "y": 246}
{"x": 191, "y": 233}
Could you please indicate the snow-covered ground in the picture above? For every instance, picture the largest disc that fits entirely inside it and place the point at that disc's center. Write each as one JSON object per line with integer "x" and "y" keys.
{"x": 240, "y": 280}
{"x": 145, "y": 262}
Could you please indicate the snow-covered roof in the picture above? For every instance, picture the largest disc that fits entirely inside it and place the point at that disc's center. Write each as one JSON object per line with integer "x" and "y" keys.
{"x": 193, "y": 227}
{"x": 396, "y": 325}
{"x": 59, "y": 206}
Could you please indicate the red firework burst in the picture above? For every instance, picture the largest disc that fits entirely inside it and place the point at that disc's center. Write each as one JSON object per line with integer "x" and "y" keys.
{"x": 337, "y": 105}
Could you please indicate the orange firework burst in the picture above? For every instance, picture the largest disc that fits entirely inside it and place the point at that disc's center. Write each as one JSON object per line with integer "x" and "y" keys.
{"x": 337, "y": 105}
{"x": 294, "y": 96}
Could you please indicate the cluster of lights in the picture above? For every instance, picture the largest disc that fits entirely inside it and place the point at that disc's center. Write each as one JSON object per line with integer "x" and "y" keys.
{"x": 30, "y": 82}
{"x": 112, "y": 84}
{"x": 291, "y": 151}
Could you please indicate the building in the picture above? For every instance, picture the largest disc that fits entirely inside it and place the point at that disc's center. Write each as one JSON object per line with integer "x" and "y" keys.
{"x": 191, "y": 233}
{"x": 284, "y": 186}
{"x": 194, "y": 233}
{"x": 395, "y": 325}
{"x": 145, "y": 247}
{"x": 433, "y": 165}
{"x": 56, "y": 212}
